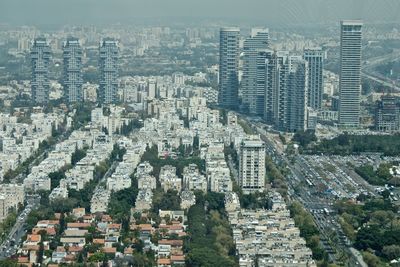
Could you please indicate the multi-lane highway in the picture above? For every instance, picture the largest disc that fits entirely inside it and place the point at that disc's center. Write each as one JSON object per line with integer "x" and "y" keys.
{"x": 333, "y": 239}
{"x": 10, "y": 244}
{"x": 367, "y": 70}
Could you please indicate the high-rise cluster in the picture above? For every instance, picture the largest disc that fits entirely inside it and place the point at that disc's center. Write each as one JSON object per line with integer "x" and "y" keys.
{"x": 285, "y": 89}
{"x": 275, "y": 85}
{"x": 72, "y": 70}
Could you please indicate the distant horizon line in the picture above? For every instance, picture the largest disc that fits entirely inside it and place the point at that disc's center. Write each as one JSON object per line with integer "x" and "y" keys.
{"x": 196, "y": 21}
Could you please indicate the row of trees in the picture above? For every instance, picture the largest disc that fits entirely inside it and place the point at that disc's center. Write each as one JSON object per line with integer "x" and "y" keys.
{"x": 381, "y": 176}
{"x": 151, "y": 155}
{"x": 373, "y": 228}
{"x": 7, "y": 224}
{"x": 308, "y": 230}
{"x": 304, "y": 138}
{"x": 346, "y": 144}
{"x": 275, "y": 176}
{"x": 210, "y": 242}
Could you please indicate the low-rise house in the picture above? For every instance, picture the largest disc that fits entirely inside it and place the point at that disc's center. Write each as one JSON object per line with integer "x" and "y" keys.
{"x": 73, "y": 241}
{"x": 78, "y": 213}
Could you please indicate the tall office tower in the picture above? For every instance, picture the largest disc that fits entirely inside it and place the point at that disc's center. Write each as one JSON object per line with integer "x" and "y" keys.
{"x": 350, "y": 74}
{"x": 228, "y": 68}
{"x": 40, "y": 57}
{"x": 286, "y": 92}
{"x": 252, "y": 165}
{"x": 253, "y": 79}
{"x": 298, "y": 95}
{"x": 276, "y": 89}
{"x": 108, "y": 63}
{"x": 314, "y": 57}
{"x": 73, "y": 80}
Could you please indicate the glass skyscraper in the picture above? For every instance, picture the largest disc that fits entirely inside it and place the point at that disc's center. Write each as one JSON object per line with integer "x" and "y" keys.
{"x": 253, "y": 79}
{"x": 108, "y": 63}
{"x": 72, "y": 55}
{"x": 40, "y": 59}
{"x": 350, "y": 73}
{"x": 229, "y": 67}
{"x": 314, "y": 57}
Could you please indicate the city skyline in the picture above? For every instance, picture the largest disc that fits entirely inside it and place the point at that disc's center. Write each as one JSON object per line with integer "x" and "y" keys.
{"x": 199, "y": 133}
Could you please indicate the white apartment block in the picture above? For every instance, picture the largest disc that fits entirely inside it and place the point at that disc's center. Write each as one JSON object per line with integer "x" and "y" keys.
{"x": 147, "y": 181}
{"x": 252, "y": 165}
{"x": 118, "y": 182}
{"x": 193, "y": 180}
{"x": 169, "y": 180}
{"x": 11, "y": 195}
{"x": 143, "y": 168}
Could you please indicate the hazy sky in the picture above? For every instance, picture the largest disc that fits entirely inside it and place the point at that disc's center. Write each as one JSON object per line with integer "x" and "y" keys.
{"x": 55, "y": 12}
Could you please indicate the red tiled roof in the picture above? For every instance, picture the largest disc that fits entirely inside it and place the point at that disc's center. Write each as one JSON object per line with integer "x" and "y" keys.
{"x": 78, "y": 225}
{"x": 106, "y": 218}
{"x": 75, "y": 249}
{"x": 49, "y": 230}
{"x": 48, "y": 222}
{"x": 60, "y": 249}
{"x": 110, "y": 250}
{"x": 177, "y": 258}
{"x": 174, "y": 242}
{"x": 98, "y": 241}
{"x": 114, "y": 225}
{"x": 128, "y": 250}
{"x": 23, "y": 259}
{"x": 33, "y": 238}
{"x": 144, "y": 227}
{"x": 31, "y": 247}
{"x": 164, "y": 261}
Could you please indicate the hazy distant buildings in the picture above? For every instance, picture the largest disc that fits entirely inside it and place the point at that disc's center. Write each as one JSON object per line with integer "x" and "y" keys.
{"x": 40, "y": 58}
{"x": 252, "y": 165}
{"x": 350, "y": 73}
{"x": 229, "y": 65}
{"x": 387, "y": 116}
{"x": 72, "y": 55}
{"x": 253, "y": 79}
{"x": 314, "y": 57}
{"x": 108, "y": 63}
